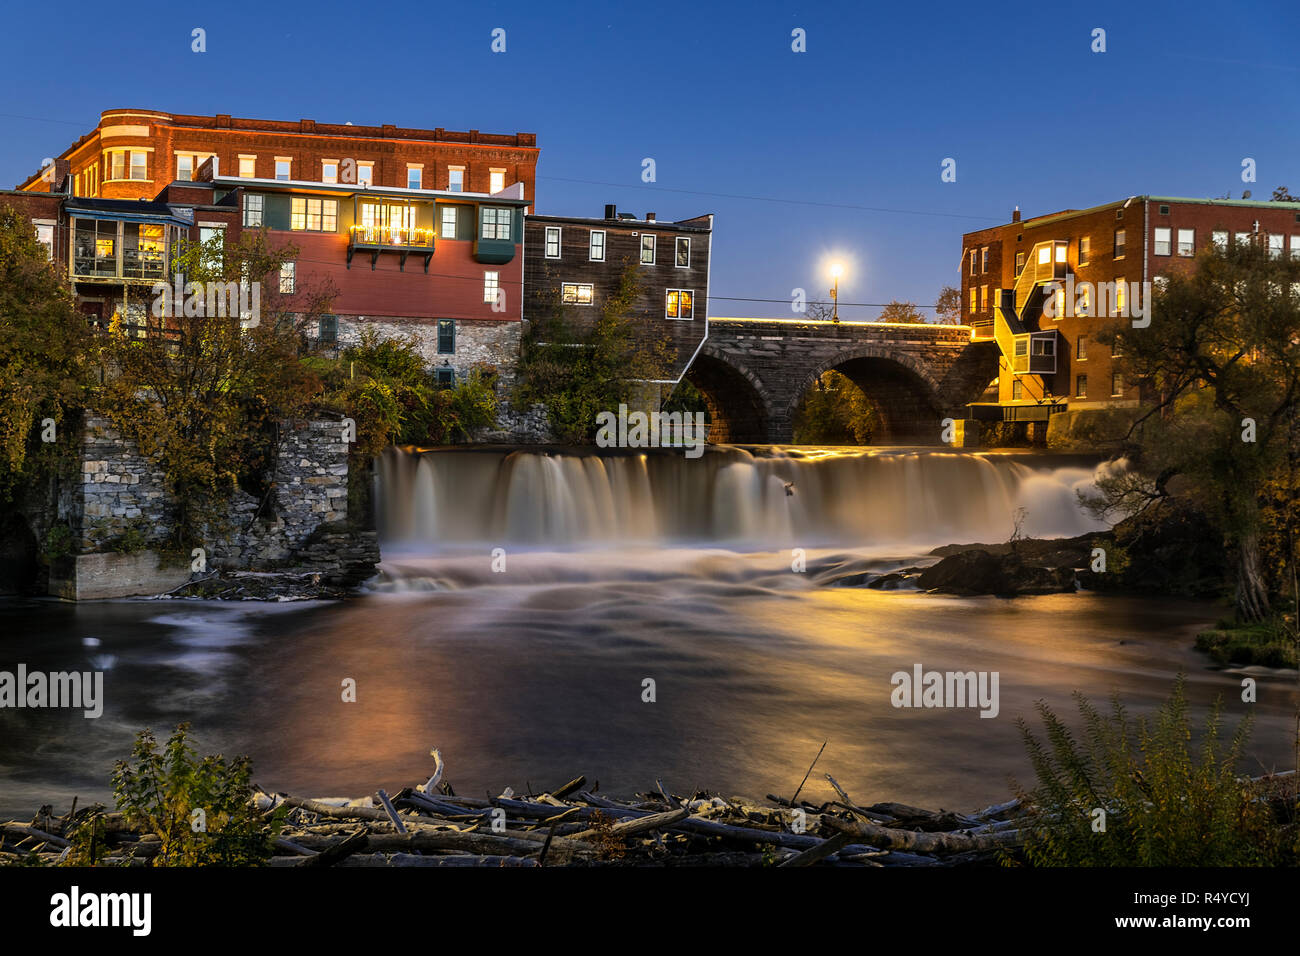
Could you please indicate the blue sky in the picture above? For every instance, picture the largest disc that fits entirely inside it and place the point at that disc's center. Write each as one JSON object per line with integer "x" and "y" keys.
{"x": 848, "y": 131}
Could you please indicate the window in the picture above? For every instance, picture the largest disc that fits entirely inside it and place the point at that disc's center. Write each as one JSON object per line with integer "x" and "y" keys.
{"x": 972, "y": 301}
{"x": 552, "y": 242}
{"x": 1042, "y": 346}
{"x": 1081, "y": 386}
{"x": 496, "y": 180}
{"x": 45, "y": 236}
{"x": 1083, "y": 301}
{"x": 1081, "y": 349}
{"x": 1295, "y": 247}
{"x": 491, "y": 286}
{"x": 1119, "y": 213}
{"x": 206, "y": 235}
{"x": 596, "y": 246}
{"x": 138, "y": 165}
{"x": 1116, "y": 384}
{"x": 1242, "y": 238}
{"x": 414, "y": 175}
{"x": 327, "y": 329}
{"x": 1275, "y": 245}
{"x": 444, "y": 377}
{"x": 1020, "y": 262}
{"x": 496, "y": 223}
{"x": 1164, "y": 241}
{"x": 329, "y": 171}
{"x": 314, "y": 215}
{"x": 984, "y": 259}
{"x": 282, "y": 167}
{"x": 253, "y": 206}
{"x": 647, "y": 250}
{"x": 1119, "y": 243}
{"x": 456, "y": 179}
{"x": 1159, "y": 283}
{"x": 984, "y": 298}
{"x": 678, "y": 304}
{"x": 1186, "y": 242}
{"x": 1058, "y": 307}
{"x": 1017, "y": 389}
{"x": 117, "y": 164}
{"x": 683, "y": 256}
{"x": 575, "y": 293}
{"x": 389, "y": 223}
{"x": 365, "y": 174}
{"x": 448, "y": 222}
{"x": 185, "y": 168}
{"x": 247, "y": 166}
{"x": 1220, "y": 239}
{"x": 446, "y": 336}
{"x": 288, "y": 271}
{"x": 1085, "y": 245}
{"x": 1121, "y": 297}
{"x": 973, "y": 254}
{"x": 1164, "y": 210}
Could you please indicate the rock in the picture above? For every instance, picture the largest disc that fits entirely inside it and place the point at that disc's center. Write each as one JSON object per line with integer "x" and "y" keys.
{"x": 979, "y": 572}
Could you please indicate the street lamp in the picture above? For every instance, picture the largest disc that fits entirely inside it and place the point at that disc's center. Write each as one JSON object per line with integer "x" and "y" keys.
{"x": 836, "y": 269}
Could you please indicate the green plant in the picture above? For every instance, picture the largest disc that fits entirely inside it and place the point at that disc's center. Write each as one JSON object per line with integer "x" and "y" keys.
{"x": 164, "y": 790}
{"x": 59, "y": 543}
{"x": 1163, "y": 804}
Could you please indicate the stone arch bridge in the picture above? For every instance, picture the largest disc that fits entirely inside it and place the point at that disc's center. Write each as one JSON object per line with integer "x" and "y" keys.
{"x": 753, "y": 372}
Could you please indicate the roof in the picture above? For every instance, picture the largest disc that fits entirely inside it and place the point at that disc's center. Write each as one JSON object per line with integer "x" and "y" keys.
{"x": 1071, "y": 213}
{"x": 129, "y": 210}
{"x": 395, "y": 192}
{"x": 680, "y": 225}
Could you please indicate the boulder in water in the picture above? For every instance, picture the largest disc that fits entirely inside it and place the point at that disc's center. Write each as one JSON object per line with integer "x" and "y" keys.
{"x": 979, "y": 572}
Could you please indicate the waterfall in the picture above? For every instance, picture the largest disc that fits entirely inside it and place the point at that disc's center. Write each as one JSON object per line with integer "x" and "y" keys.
{"x": 730, "y": 497}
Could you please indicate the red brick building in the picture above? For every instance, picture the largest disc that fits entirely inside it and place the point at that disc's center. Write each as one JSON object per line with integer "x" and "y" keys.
{"x": 1048, "y": 362}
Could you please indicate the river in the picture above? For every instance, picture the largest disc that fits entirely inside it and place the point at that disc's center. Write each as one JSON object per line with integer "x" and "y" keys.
{"x": 527, "y": 598}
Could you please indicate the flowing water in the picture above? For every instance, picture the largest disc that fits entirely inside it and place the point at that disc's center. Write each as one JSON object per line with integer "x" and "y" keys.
{"x": 619, "y": 568}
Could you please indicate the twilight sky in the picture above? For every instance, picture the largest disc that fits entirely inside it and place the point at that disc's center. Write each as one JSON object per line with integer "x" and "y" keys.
{"x": 848, "y": 136}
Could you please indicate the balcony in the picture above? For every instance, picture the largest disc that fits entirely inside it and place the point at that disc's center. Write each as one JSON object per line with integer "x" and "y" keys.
{"x": 401, "y": 239}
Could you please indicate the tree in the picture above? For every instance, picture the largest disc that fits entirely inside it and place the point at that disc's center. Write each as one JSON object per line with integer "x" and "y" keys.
{"x": 578, "y": 370}
{"x": 836, "y": 411}
{"x": 948, "y": 306}
{"x": 1282, "y": 194}
{"x": 1220, "y": 366}
{"x": 203, "y": 389}
{"x": 895, "y": 311}
{"x": 44, "y": 344}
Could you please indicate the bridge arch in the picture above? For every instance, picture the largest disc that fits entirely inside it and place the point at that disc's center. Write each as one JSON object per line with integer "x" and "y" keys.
{"x": 901, "y": 385}
{"x": 740, "y": 411}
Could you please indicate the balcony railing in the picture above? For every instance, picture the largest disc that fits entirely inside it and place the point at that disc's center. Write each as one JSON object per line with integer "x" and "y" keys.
{"x": 402, "y": 239}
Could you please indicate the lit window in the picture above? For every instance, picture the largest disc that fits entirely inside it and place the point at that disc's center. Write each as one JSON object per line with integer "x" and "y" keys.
{"x": 1186, "y": 242}
{"x": 972, "y": 301}
{"x": 597, "y": 245}
{"x": 496, "y": 180}
{"x": 329, "y": 171}
{"x": 683, "y": 256}
{"x": 253, "y": 205}
{"x": 1119, "y": 243}
{"x": 1275, "y": 245}
{"x": 496, "y": 223}
{"x": 1081, "y": 349}
{"x": 455, "y": 179}
{"x": 576, "y": 293}
{"x": 1081, "y": 386}
{"x": 679, "y": 304}
{"x": 1121, "y": 297}
{"x": 449, "y": 222}
{"x": 446, "y": 336}
{"x": 552, "y": 242}
{"x": 413, "y": 177}
{"x": 1085, "y": 246}
{"x": 1083, "y": 305}
{"x": 247, "y": 166}
{"x": 1058, "y": 307}
{"x": 984, "y": 298}
{"x": 281, "y": 168}
{"x": 1164, "y": 241}
{"x": 1045, "y": 255}
{"x": 365, "y": 174}
{"x": 647, "y": 250}
{"x": 288, "y": 272}
{"x": 313, "y": 215}
{"x": 491, "y": 286}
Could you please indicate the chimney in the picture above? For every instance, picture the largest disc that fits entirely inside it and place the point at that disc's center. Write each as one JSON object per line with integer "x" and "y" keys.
{"x": 1015, "y": 216}
{"x": 649, "y": 217}
{"x": 611, "y": 211}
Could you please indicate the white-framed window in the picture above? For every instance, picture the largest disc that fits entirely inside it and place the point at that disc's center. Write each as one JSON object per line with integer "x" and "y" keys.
{"x": 448, "y": 229}
{"x": 974, "y": 253}
{"x": 1017, "y": 389}
{"x": 1220, "y": 238}
{"x": 496, "y": 223}
{"x": 1081, "y": 349}
{"x": 45, "y": 234}
{"x": 552, "y": 242}
{"x": 329, "y": 170}
{"x": 288, "y": 277}
{"x": 1020, "y": 263}
{"x": 1295, "y": 247}
{"x": 365, "y": 174}
{"x": 1242, "y": 238}
{"x": 1164, "y": 241}
{"x": 283, "y": 166}
{"x": 138, "y": 164}
{"x": 647, "y": 250}
{"x": 116, "y": 164}
{"x": 984, "y": 298}
{"x": 576, "y": 293}
{"x": 184, "y": 167}
{"x": 1186, "y": 242}
{"x": 491, "y": 286}
{"x": 596, "y": 245}
{"x": 679, "y": 304}
{"x": 414, "y": 176}
{"x": 496, "y": 180}
{"x": 984, "y": 259}
{"x": 1121, "y": 296}
{"x": 682, "y": 253}
{"x": 313, "y": 215}
{"x": 1085, "y": 249}
{"x": 1120, "y": 238}
{"x": 247, "y": 166}
{"x": 209, "y": 231}
{"x": 1275, "y": 240}
{"x": 1083, "y": 302}
{"x": 1080, "y": 386}
{"x": 456, "y": 179}
{"x": 973, "y": 293}
{"x": 253, "y": 209}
